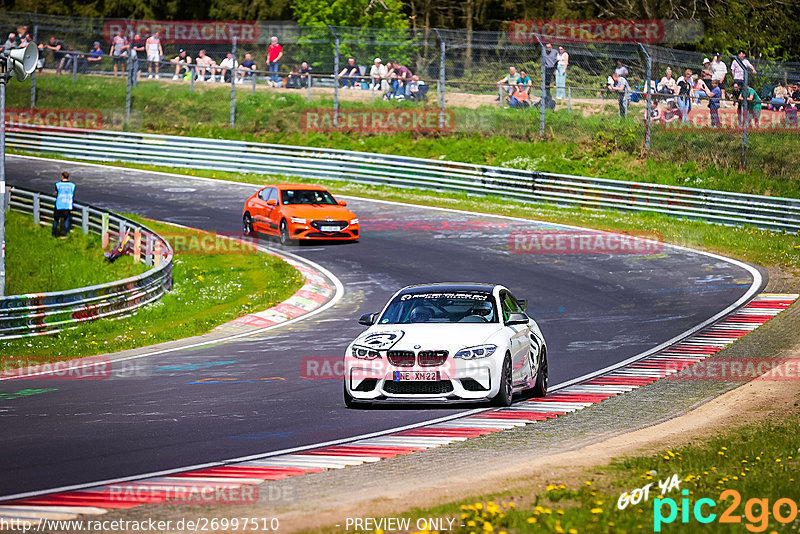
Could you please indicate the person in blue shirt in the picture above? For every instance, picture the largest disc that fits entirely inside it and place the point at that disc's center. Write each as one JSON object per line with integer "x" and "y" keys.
{"x": 65, "y": 191}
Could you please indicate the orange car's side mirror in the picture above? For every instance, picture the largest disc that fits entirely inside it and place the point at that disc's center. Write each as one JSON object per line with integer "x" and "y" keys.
{"x": 272, "y": 202}
{"x": 343, "y": 203}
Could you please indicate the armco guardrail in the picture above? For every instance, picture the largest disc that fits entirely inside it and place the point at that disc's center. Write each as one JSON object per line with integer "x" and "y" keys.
{"x": 46, "y": 313}
{"x": 775, "y": 213}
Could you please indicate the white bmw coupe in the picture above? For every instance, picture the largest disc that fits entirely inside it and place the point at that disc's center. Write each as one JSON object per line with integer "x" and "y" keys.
{"x": 444, "y": 342}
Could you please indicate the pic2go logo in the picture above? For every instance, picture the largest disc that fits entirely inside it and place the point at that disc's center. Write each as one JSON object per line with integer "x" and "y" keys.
{"x": 756, "y": 511}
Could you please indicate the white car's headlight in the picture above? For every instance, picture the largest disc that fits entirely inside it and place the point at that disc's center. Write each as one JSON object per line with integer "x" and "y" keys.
{"x": 471, "y": 353}
{"x": 363, "y": 353}
{"x": 298, "y": 220}
{"x": 353, "y": 221}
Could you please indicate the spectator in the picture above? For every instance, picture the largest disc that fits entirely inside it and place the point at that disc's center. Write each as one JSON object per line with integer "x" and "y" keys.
{"x": 561, "y": 73}
{"x": 350, "y": 73}
{"x": 119, "y": 51}
{"x": 707, "y": 74}
{"x": 305, "y": 74}
{"x": 248, "y": 68}
{"x": 293, "y": 80}
{"x": 525, "y": 82}
{"x": 65, "y": 191}
{"x": 793, "y": 101}
{"x": 205, "y": 65}
{"x": 95, "y": 55}
{"x": 719, "y": 70}
{"x": 135, "y": 51}
{"x": 154, "y": 54}
{"x": 699, "y": 88}
{"x": 508, "y": 83}
{"x": 520, "y": 98}
{"x": 685, "y": 90}
{"x": 621, "y": 70}
{"x": 550, "y": 66}
{"x": 226, "y": 67}
{"x": 620, "y": 85}
{"x": 10, "y": 43}
{"x": 182, "y": 62}
{"x": 671, "y": 114}
{"x": 377, "y": 75}
{"x": 668, "y": 85}
{"x": 416, "y": 88}
{"x": 738, "y": 72}
{"x": 779, "y": 96}
{"x": 402, "y": 76}
{"x": 70, "y": 59}
{"x": 58, "y": 48}
{"x": 752, "y": 103}
{"x": 714, "y": 95}
{"x": 274, "y": 55}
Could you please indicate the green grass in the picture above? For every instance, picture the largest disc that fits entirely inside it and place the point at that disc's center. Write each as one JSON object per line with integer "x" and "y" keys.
{"x": 208, "y": 290}
{"x": 599, "y": 144}
{"x": 758, "y": 461}
{"x": 38, "y": 263}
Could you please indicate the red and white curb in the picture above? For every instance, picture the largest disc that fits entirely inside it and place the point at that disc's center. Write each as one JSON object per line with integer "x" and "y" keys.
{"x": 670, "y": 360}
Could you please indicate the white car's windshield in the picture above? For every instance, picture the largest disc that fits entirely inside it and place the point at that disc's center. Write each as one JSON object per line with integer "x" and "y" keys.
{"x": 444, "y": 307}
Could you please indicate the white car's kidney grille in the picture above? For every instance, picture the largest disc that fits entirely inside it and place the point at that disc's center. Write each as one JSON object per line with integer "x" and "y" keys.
{"x": 401, "y": 358}
{"x": 432, "y": 358}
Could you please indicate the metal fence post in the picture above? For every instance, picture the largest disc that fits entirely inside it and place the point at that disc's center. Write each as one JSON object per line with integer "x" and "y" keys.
{"x": 131, "y": 76}
{"x": 75, "y": 65}
{"x": 33, "y": 74}
{"x": 744, "y": 111}
{"x": 648, "y": 89}
{"x": 233, "y": 85}
{"x": 441, "y": 84}
{"x": 542, "y": 100}
{"x": 335, "y": 79}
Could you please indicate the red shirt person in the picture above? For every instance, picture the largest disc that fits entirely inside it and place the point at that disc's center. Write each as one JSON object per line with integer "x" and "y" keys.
{"x": 274, "y": 55}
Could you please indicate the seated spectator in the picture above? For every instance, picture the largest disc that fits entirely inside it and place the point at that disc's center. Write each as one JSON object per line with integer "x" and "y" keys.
{"x": 664, "y": 116}
{"x": 779, "y": 96}
{"x": 70, "y": 59}
{"x": 525, "y": 82}
{"x": 225, "y": 68}
{"x": 793, "y": 104}
{"x": 668, "y": 85}
{"x": 293, "y": 80}
{"x": 417, "y": 88}
{"x": 519, "y": 98}
{"x": 205, "y": 65}
{"x": 10, "y": 43}
{"x": 57, "y": 47}
{"x": 247, "y": 70}
{"x": 402, "y": 77}
{"x": 350, "y": 73}
{"x": 95, "y": 55}
{"x": 377, "y": 75}
{"x": 305, "y": 74}
{"x": 699, "y": 88}
{"x": 508, "y": 83}
{"x": 183, "y": 64}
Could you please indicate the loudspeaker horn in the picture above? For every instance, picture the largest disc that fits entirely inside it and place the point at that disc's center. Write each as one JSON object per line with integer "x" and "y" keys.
{"x": 23, "y": 61}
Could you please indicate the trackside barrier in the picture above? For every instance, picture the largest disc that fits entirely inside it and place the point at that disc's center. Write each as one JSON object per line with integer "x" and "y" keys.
{"x": 47, "y": 313}
{"x": 774, "y": 213}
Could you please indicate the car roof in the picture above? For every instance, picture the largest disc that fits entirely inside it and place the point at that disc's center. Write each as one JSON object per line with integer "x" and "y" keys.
{"x": 449, "y": 286}
{"x": 298, "y": 186}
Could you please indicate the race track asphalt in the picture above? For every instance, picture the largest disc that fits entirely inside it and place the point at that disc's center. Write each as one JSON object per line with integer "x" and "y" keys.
{"x": 594, "y": 310}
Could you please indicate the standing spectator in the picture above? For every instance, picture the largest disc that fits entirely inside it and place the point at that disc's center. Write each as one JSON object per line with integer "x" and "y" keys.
{"x": 248, "y": 68}
{"x": 400, "y": 83}
{"x": 305, "y": 74}
{"x": 685, "y": 90}
{"x": 95, "y": 55}
{"x": 59, "y": 49}
{"x": 621, "y": 70}
{"x": 65, "y": 191}
{"x": 738, "y": 72}
{"x": 714, "y": 95}
{"x": 350, "y": 73}
{"x": 274, "y": 55}
{"x": 561, "y": 73}
{"x": 377, "y": 75}
{"x": 707, "y": 74}
{"x": 719, "y": 71}
{"x": 10, "y": 43}
{"x": 154, "y": 54}
{"x": 226, "y": 67}
{"x": 134, "y": 53}
{"x": 752, "y": 104}
{"x": 550, "y": 65}
{"x": 119, "y": 51}
{"x": 183, "y": 63}
{"x": 205, "y": 65}
{"x": 508, "y": 83}
{"x": 620, "y": 85}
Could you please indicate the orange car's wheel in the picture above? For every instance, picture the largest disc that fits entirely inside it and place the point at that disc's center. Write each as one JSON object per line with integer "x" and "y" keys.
{"x": 284, "y": 234}
{"x": 247, "y": 224}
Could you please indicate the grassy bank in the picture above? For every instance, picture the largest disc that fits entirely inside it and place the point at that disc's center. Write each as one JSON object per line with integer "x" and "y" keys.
{"x": 759, "y": 461}
{"x": 208, "y": 290}
{"x": 593, "y": 143}
{"x": 38, "y": 263}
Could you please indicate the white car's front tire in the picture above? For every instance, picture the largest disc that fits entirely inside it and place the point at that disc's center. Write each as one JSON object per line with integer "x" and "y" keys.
{"x": 506, "y": 390}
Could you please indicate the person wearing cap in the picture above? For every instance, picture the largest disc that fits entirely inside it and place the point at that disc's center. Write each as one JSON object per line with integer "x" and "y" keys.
{"x": 377, "y": 75}
{"x": 706, "y": 74}
{"x": 65, "y": 191}
{"x": 182, "y": 63}
{"x": 96, "y": 55}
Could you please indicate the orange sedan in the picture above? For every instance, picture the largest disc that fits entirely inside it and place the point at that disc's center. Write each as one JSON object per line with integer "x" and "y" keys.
{"x": 299, "y": 212}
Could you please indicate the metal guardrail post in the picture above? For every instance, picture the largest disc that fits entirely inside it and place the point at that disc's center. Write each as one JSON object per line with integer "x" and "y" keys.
{"x": 148, "y": 250}
{"x": 233, "y": 85}
{"x": 85, "y": 219}
{"x": 104, "y": 230}
{"x": 36, "y": 207}
{"x": 137, "y": 245}
{"x": 335, "y": 76}
{"x": 648, "y": 87}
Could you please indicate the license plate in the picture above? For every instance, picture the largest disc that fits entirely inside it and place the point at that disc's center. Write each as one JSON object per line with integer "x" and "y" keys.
{"x": 329, "y": 228}
{"x": 425, "y": 376}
